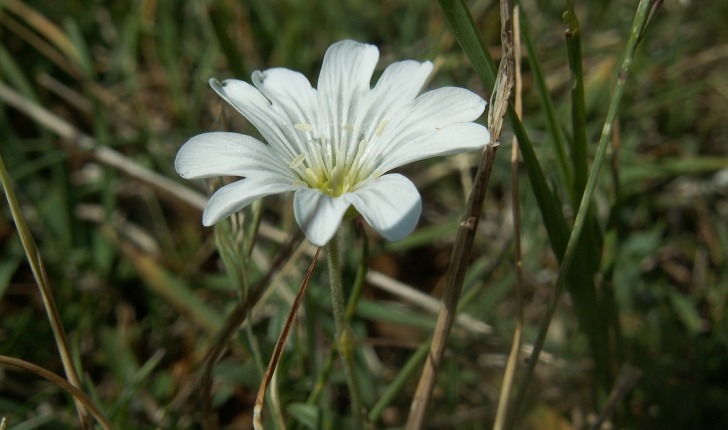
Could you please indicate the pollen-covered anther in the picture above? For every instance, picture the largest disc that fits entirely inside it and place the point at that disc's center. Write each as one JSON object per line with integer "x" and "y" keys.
{"x": 297, "y": 161}
{"x": 348, "y": 127}
{"x": 380, "y": 128}
{"x": 304, "y": 126}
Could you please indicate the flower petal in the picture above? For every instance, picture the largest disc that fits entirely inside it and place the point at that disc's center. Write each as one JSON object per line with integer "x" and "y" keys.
{"x": 429, "y": 113}
{"x": 275, "y": 126}
{"x": 233, "y": 197}
{"x": 391, "y": 205}
{"x": 318, "y": 214}
{"x": 344, "y": 81}
{"x": 290, "y": 91}
{"x": 400, "y": 83}
{"x": 226, "y": 154}
{"x": 453, "y": 139}
{"x": 396, "y": 88}
{"x": 347, "y": 68}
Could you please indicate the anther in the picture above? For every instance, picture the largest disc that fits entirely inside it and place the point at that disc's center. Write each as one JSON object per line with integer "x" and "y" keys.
{"x": 380, "y": 128}
{"x": 297, "y": 161}
{"x": 304, "y": 126}
{"x": 348, "y": 127}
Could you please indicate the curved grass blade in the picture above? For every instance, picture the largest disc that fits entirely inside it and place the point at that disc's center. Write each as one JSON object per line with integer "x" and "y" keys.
{"x": 77, "y": 394}
{"x": 41, "y": 278}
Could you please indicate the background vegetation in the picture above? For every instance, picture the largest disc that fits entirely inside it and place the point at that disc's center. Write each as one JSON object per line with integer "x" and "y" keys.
{"x": 142, "y": 291}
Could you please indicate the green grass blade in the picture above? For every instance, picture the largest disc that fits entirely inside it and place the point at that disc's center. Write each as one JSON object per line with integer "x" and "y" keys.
{"x": 459, "y": 18}
{"x": 580, "y": 278}
{"x": 41, "y": 278}
{"x": 581, "y": 216}
{"x": 547, "y": 105}
{"x": 579, "y": 143}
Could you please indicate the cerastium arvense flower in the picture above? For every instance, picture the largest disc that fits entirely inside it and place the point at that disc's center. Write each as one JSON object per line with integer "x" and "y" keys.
{"x": 333, "y": 145}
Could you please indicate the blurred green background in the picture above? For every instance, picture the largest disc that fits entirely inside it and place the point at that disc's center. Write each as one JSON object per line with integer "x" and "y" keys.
{"x": 142, "y": 290}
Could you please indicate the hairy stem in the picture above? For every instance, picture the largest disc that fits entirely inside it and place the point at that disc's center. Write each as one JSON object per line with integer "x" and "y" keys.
{"x": 344, "y": 334}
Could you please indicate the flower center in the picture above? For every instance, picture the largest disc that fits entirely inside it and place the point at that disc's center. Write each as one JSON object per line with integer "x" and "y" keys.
{"x": 334, "y": 166}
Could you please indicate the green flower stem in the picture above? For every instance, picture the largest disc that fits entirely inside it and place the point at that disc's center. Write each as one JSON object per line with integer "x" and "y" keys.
{"x": 344, "y": 334}
{"x": 361, "y": 274}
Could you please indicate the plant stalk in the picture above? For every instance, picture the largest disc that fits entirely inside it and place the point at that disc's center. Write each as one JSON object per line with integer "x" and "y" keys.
{"x": 344, "y": 334}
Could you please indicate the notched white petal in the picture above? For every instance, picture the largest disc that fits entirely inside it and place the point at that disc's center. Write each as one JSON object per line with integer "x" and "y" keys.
{"x": 236, "y": 196}
{"x": 318, "y": 214}
{"x": 390, "y": 204}
{"x": 225, "y": 154}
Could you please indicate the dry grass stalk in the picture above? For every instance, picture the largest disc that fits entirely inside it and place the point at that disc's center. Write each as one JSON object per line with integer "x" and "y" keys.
{"x": 468, "y": 227}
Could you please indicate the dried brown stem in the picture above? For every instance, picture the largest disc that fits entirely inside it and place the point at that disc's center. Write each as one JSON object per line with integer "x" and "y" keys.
{"x": 233, "y": 323}
{"x": 278, "y": 350}
{"x": 468, "y": 227}
{"x": 510, "y": 371}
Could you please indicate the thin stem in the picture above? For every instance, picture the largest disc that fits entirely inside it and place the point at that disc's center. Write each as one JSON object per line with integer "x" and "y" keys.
{"x": 398, "y": 383}
{"x": 278, "y": 350}
{"x": 41, "y": 279}
{"x": 232, "y": 325}
{"x": 465, "y": 238}
{"x": 361, "y": 276}
{"x": 502, "y": 412}
{"x": 344, "y": 334}
{"x": 77, "y": 394}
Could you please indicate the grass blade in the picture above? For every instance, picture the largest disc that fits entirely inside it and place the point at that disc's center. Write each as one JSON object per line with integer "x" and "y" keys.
{"x": 77, "y": 394}
{"x": 581, "y": 216}
{"x": 41, "y": 278}
{"x": 579, "y": 142}
{"x": 580, "y": 282}
{"x": 547, "y": 105}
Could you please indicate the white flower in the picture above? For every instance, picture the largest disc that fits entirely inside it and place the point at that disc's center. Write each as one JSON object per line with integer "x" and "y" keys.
{"x": 334, "y": 145}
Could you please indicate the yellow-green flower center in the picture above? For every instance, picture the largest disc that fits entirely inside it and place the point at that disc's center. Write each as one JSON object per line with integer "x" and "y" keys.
{"x": 330, "y": 166}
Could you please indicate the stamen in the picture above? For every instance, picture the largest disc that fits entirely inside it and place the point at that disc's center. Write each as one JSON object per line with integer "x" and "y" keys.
{"x": 380, "y": 128}
{"x": 362, "y": 147}
{"x": 297, "y": 161}
{"x": 312, "y": 175}
{"x": 348, "y": 127}
{"x": 304, "y": 126}
{"x": 347, "y": 184}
